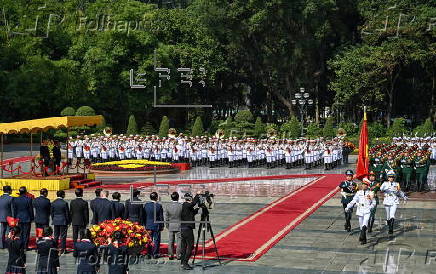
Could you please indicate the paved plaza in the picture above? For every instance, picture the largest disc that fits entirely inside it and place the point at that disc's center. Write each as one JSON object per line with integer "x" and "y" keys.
{"x": 318, "y": 245}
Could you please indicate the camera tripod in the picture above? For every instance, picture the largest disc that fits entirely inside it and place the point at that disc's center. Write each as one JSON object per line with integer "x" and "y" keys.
{"x": 205, "y": 225}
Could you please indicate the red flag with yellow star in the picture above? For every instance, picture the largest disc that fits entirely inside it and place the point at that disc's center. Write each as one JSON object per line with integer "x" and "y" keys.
{"x": 363, "y": 159}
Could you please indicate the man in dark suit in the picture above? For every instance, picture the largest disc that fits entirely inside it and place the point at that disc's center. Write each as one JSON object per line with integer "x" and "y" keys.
{"x": 22, "y": 209}
{"x": 79, "y": 213}
{"x": 57, "y": 155}
{"x": 60, "y": 216}
{"x": 45, "y": 155}
{"x": 186, "y": 228}
{"x": 103, "y": 208}
{"x": 92, "y": 204}
{"x": 42, "y": 208}
{"x": 5, "y": 211}
{"x": 117, "y": 207}
{"x": 134, "y": 212}
{"x": 153, "y": 212}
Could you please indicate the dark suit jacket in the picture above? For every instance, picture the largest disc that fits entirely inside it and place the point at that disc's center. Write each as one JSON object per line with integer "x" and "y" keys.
{"x": 22, "y": 209}
{"x": 86, "y": 253}
{"x": 5, "y": 207}
{"x": 57, "y": 154}
{"x": 45, "y": 152}
{"x": 103, "y": 210}
{"x": 117, "y": 209}
{"x": 79, "y": 212}
{"x": 134, "y": 212}
{"x": 92, "y": 206}
{"x": 153, "y": 211}
{"x": 60, "y": 212}
{"x": 188, "y": 213}
{"x": 42, "y": 208}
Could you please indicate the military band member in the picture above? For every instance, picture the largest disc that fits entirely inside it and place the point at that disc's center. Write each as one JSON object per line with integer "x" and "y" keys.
{"x": 406, "y": 166}
{"x": 365, "y": 201}
{"x": 377, "y": 165}
{"x": 420, "y": 165}
{"x": 348, "y": 190}
{"x": 392, "y": 192}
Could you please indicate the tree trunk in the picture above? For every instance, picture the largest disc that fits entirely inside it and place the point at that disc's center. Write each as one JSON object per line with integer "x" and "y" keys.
{"x": 289, "y": 90}
{"x": 284, "y": 101}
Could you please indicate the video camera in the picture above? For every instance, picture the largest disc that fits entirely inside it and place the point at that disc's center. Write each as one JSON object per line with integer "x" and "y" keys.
{"x": 207, "y": 197}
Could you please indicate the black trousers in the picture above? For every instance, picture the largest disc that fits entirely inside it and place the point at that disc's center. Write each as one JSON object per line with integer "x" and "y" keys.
{"x": 78, "y": 229}
{"x": 25, "y": 233}
{"x": 60, "y": 231}
{"x": 4, "y": 228}
{"x": 186, "y": 245}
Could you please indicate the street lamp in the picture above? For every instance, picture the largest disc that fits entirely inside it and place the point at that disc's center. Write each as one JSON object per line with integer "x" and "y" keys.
{"x": 303, "y": 102}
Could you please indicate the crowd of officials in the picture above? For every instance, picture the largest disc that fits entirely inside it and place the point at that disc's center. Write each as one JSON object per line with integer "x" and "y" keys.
{"x": 52, "y": 220}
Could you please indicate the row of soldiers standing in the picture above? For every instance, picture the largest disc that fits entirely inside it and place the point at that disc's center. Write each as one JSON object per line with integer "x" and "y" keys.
{"x": 411, "y": 164}
{"x": 212, "y": 152}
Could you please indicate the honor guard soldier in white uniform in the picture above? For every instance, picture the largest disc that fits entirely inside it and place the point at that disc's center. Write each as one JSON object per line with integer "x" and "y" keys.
{"x": 392, "y": 193}
{"x": 348, "y": 190}
{"x": 364, "y": 199}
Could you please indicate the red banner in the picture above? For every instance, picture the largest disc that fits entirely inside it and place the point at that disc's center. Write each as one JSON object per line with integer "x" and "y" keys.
{"x": 363, "y": 159}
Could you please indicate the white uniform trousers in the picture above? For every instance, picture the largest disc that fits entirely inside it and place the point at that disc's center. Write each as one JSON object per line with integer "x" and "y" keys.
{"x": 390, "y": 211}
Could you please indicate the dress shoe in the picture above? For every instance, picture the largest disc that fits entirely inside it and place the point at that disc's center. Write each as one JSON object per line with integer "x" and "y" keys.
{"x": 187, "y": 267}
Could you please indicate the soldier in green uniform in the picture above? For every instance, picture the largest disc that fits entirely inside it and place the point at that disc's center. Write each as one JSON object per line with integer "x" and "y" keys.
{"x": 374, "y": 186}
{"x": 348, "y": 190}
{"x": 377, "y": 164}
{"x": 420, "y": 166}
{"x": 406, "y": 167}
{"x": 390, "y": 164}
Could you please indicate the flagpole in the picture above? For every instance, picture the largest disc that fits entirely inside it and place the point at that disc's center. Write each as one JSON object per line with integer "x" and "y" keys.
{"x": 364, "y": 112}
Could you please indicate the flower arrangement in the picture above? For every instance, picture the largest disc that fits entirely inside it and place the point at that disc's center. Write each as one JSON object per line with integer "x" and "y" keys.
{"x": 137, "y": 162}
{"x": 131, "y": 165}
{"x": 134, "y": 235}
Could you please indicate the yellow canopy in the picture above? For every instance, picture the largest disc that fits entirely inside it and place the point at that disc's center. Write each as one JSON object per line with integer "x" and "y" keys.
{"x": 44, "y": 124}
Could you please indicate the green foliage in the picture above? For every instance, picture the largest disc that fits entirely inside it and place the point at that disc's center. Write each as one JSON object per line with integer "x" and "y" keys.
{"x": 197, "y": 129}
{"x": 132, "y": 127}
{"x": 164, "y": 127}
{"x": 398, "y": 128}
{"x": 227, "y": 126}
{"x": 376, "y": 130}
{"x": 351, "y": 128}
{"x": 244, "y": 46}
{"x": 68, "y": 111}
{"x": 148, "y": 129}
{"x": 426, "y": 129}
{"x": 328, "y": 130}
{"x": 314, "y": 130}
{"x": 85, "y": 111}
{"x": 243, "y": 116}
{"x": 271, "y": 129}
{"x": 292, "y": 128}
{"x": 259, "y": 128}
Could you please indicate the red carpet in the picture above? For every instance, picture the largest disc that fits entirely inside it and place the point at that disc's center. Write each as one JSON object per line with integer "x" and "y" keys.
{"x": 253, "y": 236}
{"x": 16, "y": 160}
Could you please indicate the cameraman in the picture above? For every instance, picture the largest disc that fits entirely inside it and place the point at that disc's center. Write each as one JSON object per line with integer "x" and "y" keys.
{"x": 186, "y": 228}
